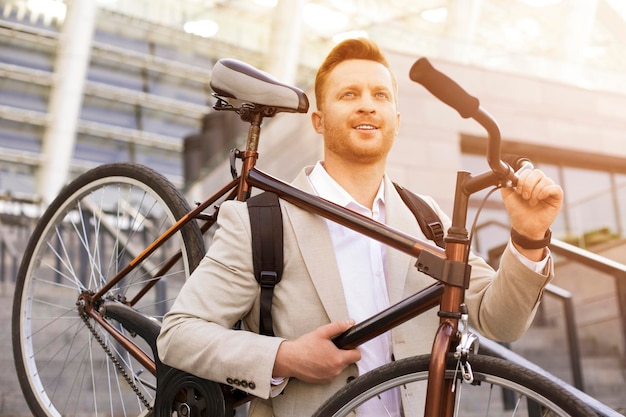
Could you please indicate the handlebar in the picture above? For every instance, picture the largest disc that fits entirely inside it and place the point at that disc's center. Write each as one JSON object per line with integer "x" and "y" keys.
{"x": 444, "y": 88}
{"x": 452, "y": 94}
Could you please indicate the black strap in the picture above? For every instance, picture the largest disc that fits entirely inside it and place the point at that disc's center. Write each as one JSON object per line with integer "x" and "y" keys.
{"x": 266, "y": 226}
{"x": 267, "y": 242}
{"x": 429, "y": 221}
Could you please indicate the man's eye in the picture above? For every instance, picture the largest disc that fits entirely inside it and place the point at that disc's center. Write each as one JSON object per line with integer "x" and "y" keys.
{"x": 348, "y": 94}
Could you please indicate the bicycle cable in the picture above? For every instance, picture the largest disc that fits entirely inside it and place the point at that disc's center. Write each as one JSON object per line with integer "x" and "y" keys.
{"x": 480, "y": 208}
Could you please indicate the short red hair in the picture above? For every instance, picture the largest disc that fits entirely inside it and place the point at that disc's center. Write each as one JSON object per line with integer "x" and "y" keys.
{"x": 360, "y": 48}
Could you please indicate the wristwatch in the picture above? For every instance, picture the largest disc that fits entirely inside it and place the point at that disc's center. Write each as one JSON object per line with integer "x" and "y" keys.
{"x": 526, "y": 243}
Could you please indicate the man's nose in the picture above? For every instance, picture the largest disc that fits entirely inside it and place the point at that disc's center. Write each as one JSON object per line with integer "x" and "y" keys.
{"x": 366, "y": 104}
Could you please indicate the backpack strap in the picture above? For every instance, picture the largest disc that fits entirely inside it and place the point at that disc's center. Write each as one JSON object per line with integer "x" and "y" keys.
{"x": 429, "y": 221}
{"x": 267, "y": 251}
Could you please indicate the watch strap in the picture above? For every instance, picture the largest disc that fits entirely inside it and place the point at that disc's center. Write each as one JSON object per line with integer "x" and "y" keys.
{"x": 526, "y": 243}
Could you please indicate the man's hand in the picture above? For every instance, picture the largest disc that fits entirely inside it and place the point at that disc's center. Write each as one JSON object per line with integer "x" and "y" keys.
{"x": 313, "y": 357}
{"x": 532, "y": 206}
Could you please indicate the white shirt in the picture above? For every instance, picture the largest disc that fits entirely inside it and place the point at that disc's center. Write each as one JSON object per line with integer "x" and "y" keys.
{"x": 362, "y": 264}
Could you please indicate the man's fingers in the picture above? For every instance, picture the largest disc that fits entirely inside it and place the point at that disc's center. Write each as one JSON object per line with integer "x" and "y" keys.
{"x": 333, "y": 329}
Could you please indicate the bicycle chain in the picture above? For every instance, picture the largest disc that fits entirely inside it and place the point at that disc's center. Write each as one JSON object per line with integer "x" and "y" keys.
{"x": 117, "y": 364}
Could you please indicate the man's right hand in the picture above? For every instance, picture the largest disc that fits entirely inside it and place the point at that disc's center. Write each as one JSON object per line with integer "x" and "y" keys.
{"x": 313, "y": 357}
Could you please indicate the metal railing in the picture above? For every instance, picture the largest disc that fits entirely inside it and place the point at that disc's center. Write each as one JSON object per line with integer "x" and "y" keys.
{"x": 588, "y": 259}
{"x": 492, "y": 348}
{"x": 601, "y": 264}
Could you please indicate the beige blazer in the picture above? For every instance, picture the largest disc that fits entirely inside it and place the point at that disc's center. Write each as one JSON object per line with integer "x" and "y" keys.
{"x": 196, "y": 335}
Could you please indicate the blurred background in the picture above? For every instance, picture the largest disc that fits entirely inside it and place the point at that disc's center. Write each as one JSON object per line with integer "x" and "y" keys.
{"x": 88, "y": 82}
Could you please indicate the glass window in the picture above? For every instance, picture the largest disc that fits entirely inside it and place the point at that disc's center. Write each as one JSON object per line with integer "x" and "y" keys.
{"x": 178, "y": 88}
{"x": 23, "y": 95}
{"x": 589, "y": 201}
{"x": 109, "y": 112}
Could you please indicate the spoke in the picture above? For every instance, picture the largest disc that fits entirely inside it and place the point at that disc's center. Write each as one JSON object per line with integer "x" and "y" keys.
{"x": 79, "y": 376}
{"x": 54, "y": 283}
{"x": 74, "y": 334}
{"x": 91, "y": 255}
{"x": 65, "y": 261}
{"x": 41, "y": 302}
{"x": 489, "y": 399}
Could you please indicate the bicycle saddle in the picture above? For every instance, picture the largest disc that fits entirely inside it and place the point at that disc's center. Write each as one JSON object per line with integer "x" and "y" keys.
{"x": 241, "y": 81}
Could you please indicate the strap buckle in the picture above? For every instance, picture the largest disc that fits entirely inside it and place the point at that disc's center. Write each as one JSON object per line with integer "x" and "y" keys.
{"x": 437, "y": 230}
{"x": 268, "y": 279}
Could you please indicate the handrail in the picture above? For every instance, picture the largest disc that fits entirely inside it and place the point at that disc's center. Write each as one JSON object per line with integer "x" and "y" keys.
{"x": 592, "y": 260}
{"x": 602, "y": 264}
{"x": 494, "y": 349}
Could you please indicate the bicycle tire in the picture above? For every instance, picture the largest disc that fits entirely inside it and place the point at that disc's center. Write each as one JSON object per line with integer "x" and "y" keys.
{"x": 528, "y": 390}
{"x": 96, "y": 225}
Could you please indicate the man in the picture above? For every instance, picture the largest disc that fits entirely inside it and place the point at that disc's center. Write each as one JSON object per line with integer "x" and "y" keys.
{"x": 332, "y": 276}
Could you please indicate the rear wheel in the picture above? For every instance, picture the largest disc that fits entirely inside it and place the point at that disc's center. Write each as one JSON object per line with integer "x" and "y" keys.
{"x": 500, "y": 388}
{"x": 67, "y": 364}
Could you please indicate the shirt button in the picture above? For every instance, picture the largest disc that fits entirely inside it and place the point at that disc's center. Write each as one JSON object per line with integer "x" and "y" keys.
{"x": 350, "y": 379}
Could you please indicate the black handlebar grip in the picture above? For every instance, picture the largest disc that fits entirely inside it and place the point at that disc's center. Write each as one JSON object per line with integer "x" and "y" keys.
{"x": 444, "y": 88}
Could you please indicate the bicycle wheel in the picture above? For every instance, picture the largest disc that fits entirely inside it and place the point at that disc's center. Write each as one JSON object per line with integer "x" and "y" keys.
{"x": 69, "y": 365}
{"x": 500, "y": 388}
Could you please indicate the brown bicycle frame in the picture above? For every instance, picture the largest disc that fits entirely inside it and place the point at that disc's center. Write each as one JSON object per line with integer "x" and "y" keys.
{"x": 450, "y": 297}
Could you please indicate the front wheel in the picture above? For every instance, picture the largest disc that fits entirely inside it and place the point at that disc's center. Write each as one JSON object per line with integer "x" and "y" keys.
{"x": 67, "y": 363}
{"x": 500, "y": 388}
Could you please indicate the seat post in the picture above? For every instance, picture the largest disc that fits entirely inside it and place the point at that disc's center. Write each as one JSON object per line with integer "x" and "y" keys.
{"x": 250, "y": 155}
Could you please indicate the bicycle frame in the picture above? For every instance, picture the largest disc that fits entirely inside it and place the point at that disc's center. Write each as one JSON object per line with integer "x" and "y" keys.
{"x": 448, "y": 266}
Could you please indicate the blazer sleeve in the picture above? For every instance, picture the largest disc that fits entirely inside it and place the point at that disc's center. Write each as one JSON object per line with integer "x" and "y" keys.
{"x": 197, "y": 334}
{"x": 502, "y": 303}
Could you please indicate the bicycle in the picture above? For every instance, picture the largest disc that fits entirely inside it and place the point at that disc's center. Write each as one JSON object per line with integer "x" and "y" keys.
{"x": 113, "y": 249}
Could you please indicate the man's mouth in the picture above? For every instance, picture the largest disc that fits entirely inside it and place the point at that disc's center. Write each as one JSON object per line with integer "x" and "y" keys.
{"x": 365, "y": 127}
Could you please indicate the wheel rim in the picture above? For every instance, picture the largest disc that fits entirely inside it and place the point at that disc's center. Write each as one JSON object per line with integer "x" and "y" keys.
{"x": 497, "y": 390}
{"x": 95, "y": 232}
{"x": 479, "y": 404}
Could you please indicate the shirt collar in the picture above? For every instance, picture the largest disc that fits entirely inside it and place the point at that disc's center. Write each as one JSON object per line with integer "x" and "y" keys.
{"x": 326, "y": 187}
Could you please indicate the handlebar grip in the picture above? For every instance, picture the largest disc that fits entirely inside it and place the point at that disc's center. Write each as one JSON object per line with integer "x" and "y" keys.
{"x": 517, "y": 163}
{"x": 444, "y": 88}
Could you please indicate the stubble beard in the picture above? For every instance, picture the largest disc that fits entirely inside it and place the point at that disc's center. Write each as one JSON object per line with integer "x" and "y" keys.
{"x": 348, "y": 147}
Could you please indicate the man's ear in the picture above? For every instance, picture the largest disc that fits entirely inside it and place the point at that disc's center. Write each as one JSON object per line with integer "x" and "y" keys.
{"x": 316, "y": 120}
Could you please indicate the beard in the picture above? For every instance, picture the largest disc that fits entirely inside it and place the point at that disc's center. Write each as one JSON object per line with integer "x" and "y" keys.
{"x": 352, "y": 146}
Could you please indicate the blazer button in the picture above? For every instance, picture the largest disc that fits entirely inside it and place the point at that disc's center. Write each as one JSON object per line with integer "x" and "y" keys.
{"x": 350, "y": 379}
{"x": 251, "y": 385}
{"x": 230, "y": 381}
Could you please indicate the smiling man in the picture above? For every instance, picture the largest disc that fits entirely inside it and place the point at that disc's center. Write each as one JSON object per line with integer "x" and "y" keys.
{"x": 334, "y": 277}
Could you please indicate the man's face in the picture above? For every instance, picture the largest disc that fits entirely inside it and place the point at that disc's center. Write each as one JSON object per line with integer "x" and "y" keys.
{"x": 358, "y": 116}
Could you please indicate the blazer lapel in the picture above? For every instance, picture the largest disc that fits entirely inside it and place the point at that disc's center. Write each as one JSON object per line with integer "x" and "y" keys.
{"x": 317, "y": 252}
